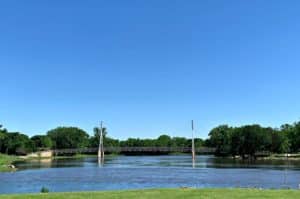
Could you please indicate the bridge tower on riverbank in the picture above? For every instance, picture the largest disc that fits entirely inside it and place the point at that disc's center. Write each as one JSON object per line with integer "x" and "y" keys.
{"x": 193, "y": 144}
{"x": 101, "y": 147}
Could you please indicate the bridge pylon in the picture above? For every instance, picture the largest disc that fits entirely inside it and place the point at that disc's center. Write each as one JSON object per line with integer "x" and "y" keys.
{"x": 101, "y": 147}
{"x": 193, "y": 145}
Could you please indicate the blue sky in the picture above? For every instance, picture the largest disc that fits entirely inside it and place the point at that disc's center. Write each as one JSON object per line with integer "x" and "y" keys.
{"x": 148, "y": 67}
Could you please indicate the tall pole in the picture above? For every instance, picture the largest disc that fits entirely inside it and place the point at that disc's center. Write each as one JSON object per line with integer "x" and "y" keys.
{"x": 101, "y": 148}
{"x": 193, "y": 143}
{"x": 102, "y": 142}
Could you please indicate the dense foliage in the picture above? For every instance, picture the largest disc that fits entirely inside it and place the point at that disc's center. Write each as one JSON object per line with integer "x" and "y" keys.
{"x": 42, "y": 141}
{"x": 248, "y": 140}
{"x": 15, "y": 143}
{"x": 73, "y": 137}
{"x": 3, "y": 133}
{"x": 161, "y": 141}
{"x": 244, "y": 141}
{"x": 68, "y": 138}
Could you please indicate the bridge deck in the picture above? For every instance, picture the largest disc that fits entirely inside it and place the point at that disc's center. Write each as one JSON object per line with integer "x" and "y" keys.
{"x": 136, "y": 150}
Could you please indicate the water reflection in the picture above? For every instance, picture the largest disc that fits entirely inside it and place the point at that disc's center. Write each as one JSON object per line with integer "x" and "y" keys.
{"x": 134, "y": 172}
{"x": 175, "y": 161}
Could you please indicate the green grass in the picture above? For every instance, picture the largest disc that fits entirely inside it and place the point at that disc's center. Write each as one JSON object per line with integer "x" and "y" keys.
{"x": 6, "y": 160}
{"x": 167, "y": 194}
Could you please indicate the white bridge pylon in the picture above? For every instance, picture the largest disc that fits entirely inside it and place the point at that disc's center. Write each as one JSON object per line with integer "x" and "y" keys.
{"x": 101, "y": 148}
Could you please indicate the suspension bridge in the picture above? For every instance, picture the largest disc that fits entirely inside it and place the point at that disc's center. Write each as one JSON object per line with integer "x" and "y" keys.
{"x": 136, "y": 150}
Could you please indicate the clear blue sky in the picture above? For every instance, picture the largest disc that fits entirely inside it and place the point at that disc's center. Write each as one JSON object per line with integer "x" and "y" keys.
{"x": 148, "y": 67}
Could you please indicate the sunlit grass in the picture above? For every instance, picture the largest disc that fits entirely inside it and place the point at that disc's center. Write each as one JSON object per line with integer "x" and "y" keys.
{"x": 6, "y": 160}
{"x": 167, "y": 194}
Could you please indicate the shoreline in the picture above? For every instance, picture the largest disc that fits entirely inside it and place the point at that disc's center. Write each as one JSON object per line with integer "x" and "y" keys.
{"x": 176, "y": 193}
{"x": 7, "y": 161}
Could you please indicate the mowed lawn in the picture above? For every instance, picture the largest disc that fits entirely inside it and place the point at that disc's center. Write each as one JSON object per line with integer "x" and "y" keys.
{"x": 6, "y": 160}
{"x": 166, "y": 194}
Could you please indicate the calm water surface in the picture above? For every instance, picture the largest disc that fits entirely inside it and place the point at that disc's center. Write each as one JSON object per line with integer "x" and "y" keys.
{"x": 137, "y": 172}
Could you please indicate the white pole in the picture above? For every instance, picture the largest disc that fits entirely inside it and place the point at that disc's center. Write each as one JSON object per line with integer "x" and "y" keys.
{"x": 193, "y": 142}
{"x": 102, "y": 145}
{"x": 100, "y": 149}
{"x": 99, "y": 146}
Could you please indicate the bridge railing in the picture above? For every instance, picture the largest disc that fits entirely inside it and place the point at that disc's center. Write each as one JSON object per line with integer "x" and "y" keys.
{"x": 136, "y": 149}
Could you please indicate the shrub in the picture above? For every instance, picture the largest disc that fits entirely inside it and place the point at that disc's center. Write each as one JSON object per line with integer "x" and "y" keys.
{"x": 44, "y": 190}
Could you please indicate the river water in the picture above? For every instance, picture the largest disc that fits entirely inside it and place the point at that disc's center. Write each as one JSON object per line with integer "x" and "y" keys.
{"x": 139, "y": 172}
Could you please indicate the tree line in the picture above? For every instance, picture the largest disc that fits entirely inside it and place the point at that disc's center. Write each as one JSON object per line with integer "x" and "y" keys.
{"x": 73, "y": 137}
{"x": 248, "y": 140}
{"x": 244, "y": 141}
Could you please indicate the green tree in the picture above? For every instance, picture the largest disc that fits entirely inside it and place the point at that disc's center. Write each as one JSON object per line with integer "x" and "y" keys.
{"x": 97, "y": 132}
{"x": 266, "y": 137}
{"x": 251, "y": 140}
{"x": 179, "y": 142}
{"x": 2, "y": 130}
{"x": 68, "y": 137}
{"x": 42, "y": 141}
{"x": 132, "y": 142}
{"x": 3, "y": 134}
{"x": 17, "y": 143}
{"x": 280, "y": 142}
{"x": 285, "y": 144}
{"x": 199, "y": 142}
{"x": 296, "y": 139}
{"x": 164, "y": 141}
{"x": 236, "y": 142}
{"x": 293, "y": 134}
{"x": 107, "y": 141}
{"x": 148, "y": 142}
{"x": 2, "y": 138}
{"x": 220, "y": 137}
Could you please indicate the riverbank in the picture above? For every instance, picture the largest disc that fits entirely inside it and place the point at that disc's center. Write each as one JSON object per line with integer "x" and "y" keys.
{"x": 294, "y": 156}
{"x": 6, "y": 162}
{"x": 167, "y": 194}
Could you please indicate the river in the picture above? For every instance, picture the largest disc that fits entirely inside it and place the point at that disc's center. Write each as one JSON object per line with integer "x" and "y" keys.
{"x": 139, "y": 172}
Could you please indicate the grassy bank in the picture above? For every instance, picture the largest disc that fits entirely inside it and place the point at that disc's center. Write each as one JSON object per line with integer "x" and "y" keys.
{"x": 167, "y": 194}
{"x": 294, "y": 156}
{"x": 5, "y": 161}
